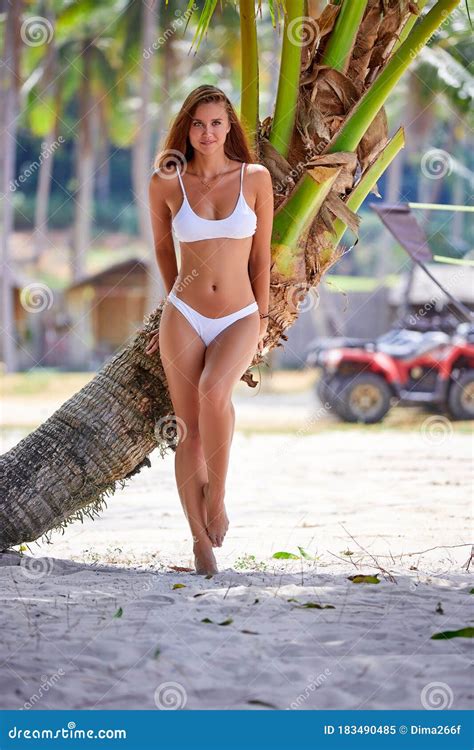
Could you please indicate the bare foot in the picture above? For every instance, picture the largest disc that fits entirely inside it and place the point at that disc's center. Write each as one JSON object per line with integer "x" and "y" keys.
{"x": 217, "y": 521}
{"x": 204, "y": 560}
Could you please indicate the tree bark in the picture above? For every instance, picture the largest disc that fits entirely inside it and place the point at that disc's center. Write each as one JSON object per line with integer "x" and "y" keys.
{"x": 100, "y": 436}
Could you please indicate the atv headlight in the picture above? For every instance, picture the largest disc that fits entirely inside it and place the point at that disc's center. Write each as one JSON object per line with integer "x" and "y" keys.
{"x": 332, "y": 358}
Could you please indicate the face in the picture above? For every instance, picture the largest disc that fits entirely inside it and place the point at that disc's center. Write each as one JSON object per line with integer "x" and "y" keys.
{"x": 209, "y": 127}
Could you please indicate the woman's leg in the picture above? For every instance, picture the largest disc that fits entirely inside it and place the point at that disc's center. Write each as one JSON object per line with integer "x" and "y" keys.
{"x": 227, "y": 357}
{"x": 183, "y": 364}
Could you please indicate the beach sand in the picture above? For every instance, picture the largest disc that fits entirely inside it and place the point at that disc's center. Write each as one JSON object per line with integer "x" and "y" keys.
{"x": 95, "y": 620}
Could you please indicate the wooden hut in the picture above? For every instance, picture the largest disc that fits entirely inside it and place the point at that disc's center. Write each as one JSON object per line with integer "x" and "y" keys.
{"x": 105, "y": 309}
{"x": 27, "y": 315}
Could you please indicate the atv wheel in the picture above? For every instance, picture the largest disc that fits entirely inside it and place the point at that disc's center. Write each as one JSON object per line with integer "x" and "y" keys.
{"x": 364, "y": 398}
{"x": 461, "y": 396}
{"x": 332, "y": 394}
{"x": 325, "y": 388}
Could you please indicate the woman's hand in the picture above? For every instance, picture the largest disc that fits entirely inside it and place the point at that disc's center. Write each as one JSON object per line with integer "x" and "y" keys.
{"x": 263, "y": 332}
{"x": 152, "y": 345}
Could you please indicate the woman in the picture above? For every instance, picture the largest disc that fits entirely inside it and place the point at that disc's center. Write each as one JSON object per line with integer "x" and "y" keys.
{"x": 216, "y": 312}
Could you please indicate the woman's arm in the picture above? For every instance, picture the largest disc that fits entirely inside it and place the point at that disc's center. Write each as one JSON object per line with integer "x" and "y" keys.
{"x": 161, "y": 224}
{"x": 260, "y": 254}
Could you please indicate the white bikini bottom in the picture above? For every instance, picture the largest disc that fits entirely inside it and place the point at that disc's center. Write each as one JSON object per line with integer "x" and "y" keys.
{"x": 209, "y": 328}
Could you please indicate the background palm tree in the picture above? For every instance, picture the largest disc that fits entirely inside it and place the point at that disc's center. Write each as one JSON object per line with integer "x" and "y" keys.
{"x": 10, "y": 82}
{"x": 326, "y": 146}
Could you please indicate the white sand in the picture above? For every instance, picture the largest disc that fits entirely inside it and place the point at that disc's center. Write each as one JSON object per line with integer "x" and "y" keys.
{"x": 397, "y": 493}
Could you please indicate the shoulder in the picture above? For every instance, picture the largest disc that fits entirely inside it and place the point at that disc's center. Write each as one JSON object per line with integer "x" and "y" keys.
{"x": 260, "y": 176}
{"x": 257, "y": 169}
{"x": 162, "y": 191}
{"x": 162, "y": 181}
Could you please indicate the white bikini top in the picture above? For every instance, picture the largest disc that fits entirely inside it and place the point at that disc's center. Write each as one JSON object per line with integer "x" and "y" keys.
{"x": 189, "y": 227}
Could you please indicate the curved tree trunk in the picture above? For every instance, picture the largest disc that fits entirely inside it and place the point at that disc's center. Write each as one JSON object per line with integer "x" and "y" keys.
{"x": 100, "y": 436}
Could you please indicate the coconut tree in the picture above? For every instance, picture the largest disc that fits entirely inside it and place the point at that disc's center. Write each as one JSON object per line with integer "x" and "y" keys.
{"x": 42, "y": 117}
{"x": 137, "y": 29}
{"x": 10, "y": 80}
{"x": 326, "y": 146}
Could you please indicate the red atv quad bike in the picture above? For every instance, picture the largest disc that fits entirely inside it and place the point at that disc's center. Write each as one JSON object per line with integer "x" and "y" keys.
{"x": 433, "y": 368}
{"x": 404, "y": 367}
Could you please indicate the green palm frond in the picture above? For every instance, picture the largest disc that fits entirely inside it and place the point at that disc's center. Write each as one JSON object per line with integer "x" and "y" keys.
{"x": 277, "y": 9}
{"x": 204, "y": 20}
{"x": 468, "y": 13}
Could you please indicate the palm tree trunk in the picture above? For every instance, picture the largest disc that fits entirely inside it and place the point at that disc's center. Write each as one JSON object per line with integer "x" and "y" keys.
{"x": 50, "y": 88}
{"x": 103, "y": 167}
{"x": 101, "y": 436}
{"x": 85, "y": 164}
{"x": 42, "y": 198}
{"x": 9, "y": 90}
{"x": 142, "y": 154}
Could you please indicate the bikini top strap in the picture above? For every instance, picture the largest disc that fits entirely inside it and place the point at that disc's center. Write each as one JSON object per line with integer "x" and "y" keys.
{"x": 242, "y": 175}
{"x": 156, "y": 171}
{"x": 181, "y": 182}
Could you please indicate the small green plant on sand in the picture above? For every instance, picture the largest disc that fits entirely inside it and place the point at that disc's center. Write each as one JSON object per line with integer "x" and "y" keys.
{"x": 249, "y": 562}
